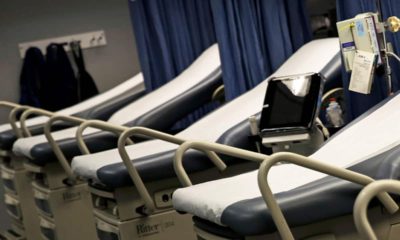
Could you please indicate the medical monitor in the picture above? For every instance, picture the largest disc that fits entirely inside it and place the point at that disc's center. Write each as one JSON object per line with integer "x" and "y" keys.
{"x": 291, "y": 103}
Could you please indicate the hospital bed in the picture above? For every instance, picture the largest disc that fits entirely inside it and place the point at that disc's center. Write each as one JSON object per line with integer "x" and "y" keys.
{"x": 124, "y": 210}
{"x": 311, "y": 197}
{"x": 159, "y": 109}
{"x": 14, "y": 175}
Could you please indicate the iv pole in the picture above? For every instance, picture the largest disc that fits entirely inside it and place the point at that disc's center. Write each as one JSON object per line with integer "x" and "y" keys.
{"x": 392, "y": 24}
{"x": 383, "y": 47}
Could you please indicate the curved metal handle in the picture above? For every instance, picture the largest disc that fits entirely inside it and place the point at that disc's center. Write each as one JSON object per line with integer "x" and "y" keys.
{"x": 134, "y": 174}
{"x": 11, "y": 105}
{"x": 219, "y": 93}
{"x": 12, "y": 118}
{"x": 361, "y": 205}
{"x": 7, "y": 104}
{"x": 99, "y": 125}
{"x": 183, "y": 177}
{"x": 27, "y": 113}
{"x": 319, "y": 166}
{"x": 210, "y": 149}
{"x": 56, "y": 149}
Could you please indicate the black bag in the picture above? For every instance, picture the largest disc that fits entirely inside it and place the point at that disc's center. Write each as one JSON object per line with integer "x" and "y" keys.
{"x": 86, "y": 85}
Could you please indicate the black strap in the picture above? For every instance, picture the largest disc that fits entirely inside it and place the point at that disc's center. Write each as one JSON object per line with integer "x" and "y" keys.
{"x": 78, "y": 56}
{"x": 86, "y": 85}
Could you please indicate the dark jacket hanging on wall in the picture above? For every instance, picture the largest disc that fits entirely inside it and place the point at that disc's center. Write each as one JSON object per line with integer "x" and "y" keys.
{"x": 60, "y": 91}
{"x": 33, "y": 75}
{"x": 86, "y": 86}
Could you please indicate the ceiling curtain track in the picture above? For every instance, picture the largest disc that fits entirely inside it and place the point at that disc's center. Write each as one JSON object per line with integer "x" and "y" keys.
{"x": 360, "y": 103}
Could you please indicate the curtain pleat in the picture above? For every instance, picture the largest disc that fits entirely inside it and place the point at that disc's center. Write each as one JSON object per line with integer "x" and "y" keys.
{"x": 256, "y": 37}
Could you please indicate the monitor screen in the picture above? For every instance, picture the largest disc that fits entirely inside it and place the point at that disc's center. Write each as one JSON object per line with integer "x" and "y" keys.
{"x": 291, "y": 102}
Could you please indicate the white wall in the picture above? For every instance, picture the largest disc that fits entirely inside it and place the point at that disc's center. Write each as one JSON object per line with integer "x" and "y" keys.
{"x": 27, "y": 20}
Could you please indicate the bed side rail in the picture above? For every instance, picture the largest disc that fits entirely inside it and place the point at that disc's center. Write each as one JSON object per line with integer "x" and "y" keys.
{"x": 361, "y": 205}
{"x": 315, "y": 165}
{"x": 134, "y": 174}
{"x": 12, "y": 117}
{"x": 267, "y": 163}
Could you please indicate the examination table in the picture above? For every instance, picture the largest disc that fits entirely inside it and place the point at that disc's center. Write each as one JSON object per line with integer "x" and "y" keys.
{"x": 124, "y": 212}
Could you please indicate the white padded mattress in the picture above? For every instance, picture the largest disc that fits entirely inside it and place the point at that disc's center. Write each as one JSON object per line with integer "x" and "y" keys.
{"x": 135, "y": 83}
{"x": 211, "y": 127}
{"x": 374, "y": 134}
{"x": 207, "y": 63}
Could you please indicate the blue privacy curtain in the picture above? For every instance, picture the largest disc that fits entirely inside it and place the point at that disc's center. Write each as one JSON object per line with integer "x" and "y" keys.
{"x": 359, "y": 103}
{"x": 255, "y": 37}
{"x": 170, "y": 34}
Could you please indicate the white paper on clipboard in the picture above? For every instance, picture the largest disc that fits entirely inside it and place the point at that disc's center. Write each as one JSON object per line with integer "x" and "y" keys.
{"x": 362, "y": 75}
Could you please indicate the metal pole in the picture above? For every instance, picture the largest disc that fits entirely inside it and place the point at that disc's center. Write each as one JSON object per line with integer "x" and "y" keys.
{"x": 383, "y": 50}
{"x": 379, "y": 9}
